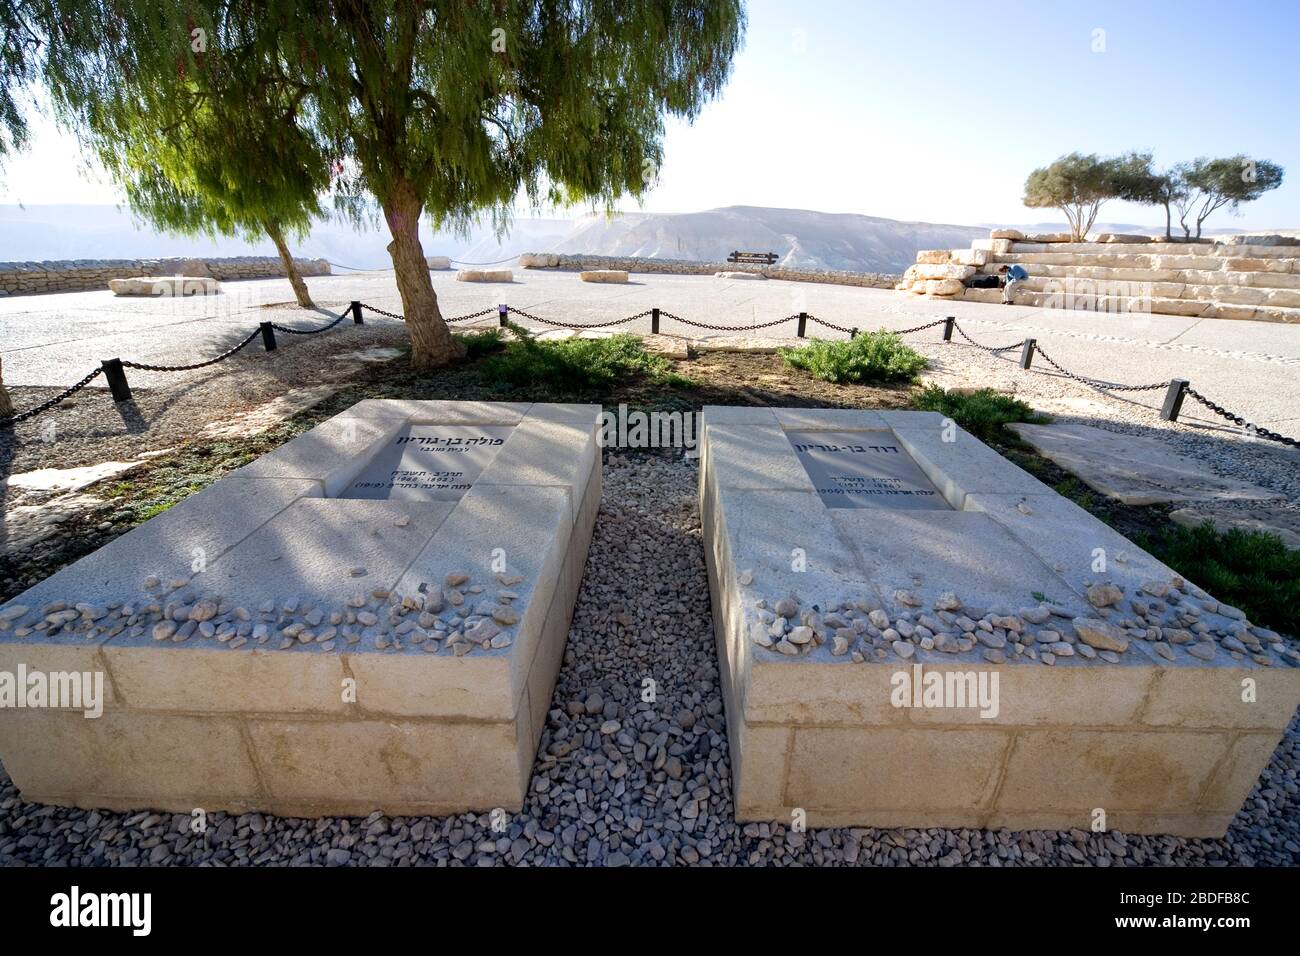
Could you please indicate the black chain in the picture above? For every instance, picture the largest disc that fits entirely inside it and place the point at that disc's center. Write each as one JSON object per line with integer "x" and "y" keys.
{"x": 1099, "y": 384}
{"x": 919, "y": 328}
{"x": 986, "y": 348}
{"x": 50, "y": 403}
{"x": 472, "y": 315}
{"x": 830, "y": 325}
{"x": 323, "y": 328}
{"x": 578, "y": 325}
{"x": 1238, "y": 420}
{"x": 727, "y": 328}
{"x": 456, "y": 318}
{"x": 391, "y": 315}
{"x": 186, "y": 368}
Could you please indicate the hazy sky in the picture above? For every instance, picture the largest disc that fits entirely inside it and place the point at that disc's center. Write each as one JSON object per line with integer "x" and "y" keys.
{"x": 936, "y": 111}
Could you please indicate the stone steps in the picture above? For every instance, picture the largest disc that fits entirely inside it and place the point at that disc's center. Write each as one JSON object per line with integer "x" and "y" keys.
{"x": 1246, "y": 280}
{"x": 1204, "y": 277}
{"x": 1192, "y": 308}
{"x": 1222, "y": 294}
{"x": 1132, "y": 261}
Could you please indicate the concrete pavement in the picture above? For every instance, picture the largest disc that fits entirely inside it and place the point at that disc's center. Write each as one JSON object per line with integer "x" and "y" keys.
{"x": 1252, "y": 368}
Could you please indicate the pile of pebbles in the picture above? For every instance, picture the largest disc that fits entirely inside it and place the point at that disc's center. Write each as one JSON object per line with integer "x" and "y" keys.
{"x": 454, "y": 617}
{"x": 633, "y": 767}
{"x": 1163, "y": 615}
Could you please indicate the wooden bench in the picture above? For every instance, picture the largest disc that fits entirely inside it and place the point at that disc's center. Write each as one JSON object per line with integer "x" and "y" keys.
{"x": 754, "y": 258}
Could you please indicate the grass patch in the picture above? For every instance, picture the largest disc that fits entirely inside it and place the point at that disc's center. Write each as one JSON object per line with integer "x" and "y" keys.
{"x": 1251, "y": 570}
{"x": 982, "y": 413}
{"x": 577, "y": 363}
{"x": 480, "y": 343}
{"x": 868, "y": 357}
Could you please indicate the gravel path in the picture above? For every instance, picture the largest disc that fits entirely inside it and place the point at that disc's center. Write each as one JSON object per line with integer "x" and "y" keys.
{"x": 620, "y": 779}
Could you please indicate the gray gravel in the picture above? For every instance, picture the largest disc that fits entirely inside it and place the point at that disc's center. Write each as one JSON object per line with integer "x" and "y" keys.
{"x": 620, "y": 780}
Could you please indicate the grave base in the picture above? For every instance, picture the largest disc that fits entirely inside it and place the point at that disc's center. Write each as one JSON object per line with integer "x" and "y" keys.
{"x": 1168, "y": 735}
{"x": 362, "y": 721}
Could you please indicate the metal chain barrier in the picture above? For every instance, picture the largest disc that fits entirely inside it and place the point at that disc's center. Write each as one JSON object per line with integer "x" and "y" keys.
{"x": 1238, "y": 420}
{"x": 392, "y": 315}
{"x": 577, "y": 325}
{"x": 466, "y": 318}
{"x": 1097, "y": 383}
{"x": 725, "y": 328}
{"x": 918, "y": 328}
{"x": 50, "y": 403}
{"x": 986, "y": 348}
{"x": 830, "y": 325}
{"x": 186, "y": 368}
{"x": 323, "y": 328}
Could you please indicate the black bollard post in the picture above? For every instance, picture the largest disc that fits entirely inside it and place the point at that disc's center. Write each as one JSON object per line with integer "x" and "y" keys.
{"x": 116, "y": 376}
{"x": 356, "y": 314}
{"x": 1027, "y": 353}
{"x": 268, "y": 337}
{"x": 947, "y": 327}
{"x": 1174, "y": 399}
{"x": 503, "y": 314}
{"x": 803, "y": 324}
{"x": 654, "y": 321}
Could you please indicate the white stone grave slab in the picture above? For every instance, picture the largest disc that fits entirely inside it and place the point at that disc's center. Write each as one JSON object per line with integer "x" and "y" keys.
{"x": 429, "y": 462}
{"x": 287, "y": 641}
{"x": 864, "y": 469}
{"x": 1005, "y": 660}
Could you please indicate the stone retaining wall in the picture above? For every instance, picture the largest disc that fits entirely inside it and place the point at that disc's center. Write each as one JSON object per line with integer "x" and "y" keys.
{"x": 75, "y": 275}
{"x": 689, "y": 267}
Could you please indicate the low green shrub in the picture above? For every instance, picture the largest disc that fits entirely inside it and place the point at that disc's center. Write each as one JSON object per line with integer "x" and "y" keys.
{"x": 480, "y": 342}
{"x": 867, "y": 357}
{"x": 981, "y": 413}
{"x": 1251, "y": 570}
{"x": 576, "y": 362}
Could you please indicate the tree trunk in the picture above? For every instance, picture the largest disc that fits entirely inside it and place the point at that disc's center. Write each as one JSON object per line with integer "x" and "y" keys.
{"x": 1169, "y": 222}
{"x": 290, "y": 267}
{"x": 432, "y": 344}
{"x": 6, "y": 406}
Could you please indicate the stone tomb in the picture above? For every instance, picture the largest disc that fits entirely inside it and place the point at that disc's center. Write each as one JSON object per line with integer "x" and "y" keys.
{"x": 899, "y": 659}
{"x": 371, "y": 616}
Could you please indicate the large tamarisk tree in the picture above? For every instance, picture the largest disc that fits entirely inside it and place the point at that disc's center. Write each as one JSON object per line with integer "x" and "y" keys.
{"x": 453, "y": 109}
{"x": 166, "y": 100}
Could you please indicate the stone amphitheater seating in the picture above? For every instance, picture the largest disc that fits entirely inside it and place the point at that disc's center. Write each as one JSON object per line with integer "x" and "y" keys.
{"x": 1251, "y": 277}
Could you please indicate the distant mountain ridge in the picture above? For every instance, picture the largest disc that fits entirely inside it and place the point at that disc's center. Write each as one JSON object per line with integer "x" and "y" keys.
{"x": 800, "y": 238}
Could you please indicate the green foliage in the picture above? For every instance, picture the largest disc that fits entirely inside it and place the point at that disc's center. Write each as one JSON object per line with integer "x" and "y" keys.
{"x": 412, "y": 106}
{"x": 1211, "y": 184}
{"x": 173, "y": 109}
{"x": 1079, "y": 183}
{"x": 982, "y": 413}
{"x": 1251, "y": 570}
{"x": 868, "y": 357}
{"x": 576, "y": 363}
{"x": 480, "y": 343}
{"x": 20, "y": 46}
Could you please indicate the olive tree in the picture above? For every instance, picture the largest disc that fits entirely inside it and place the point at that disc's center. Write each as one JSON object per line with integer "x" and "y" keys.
{"x": 1210, "y": 184}
{"x": 1078, "y": 184}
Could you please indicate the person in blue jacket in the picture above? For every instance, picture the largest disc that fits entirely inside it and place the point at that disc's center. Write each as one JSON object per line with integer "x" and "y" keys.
{"x": 1012, "y": 276}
